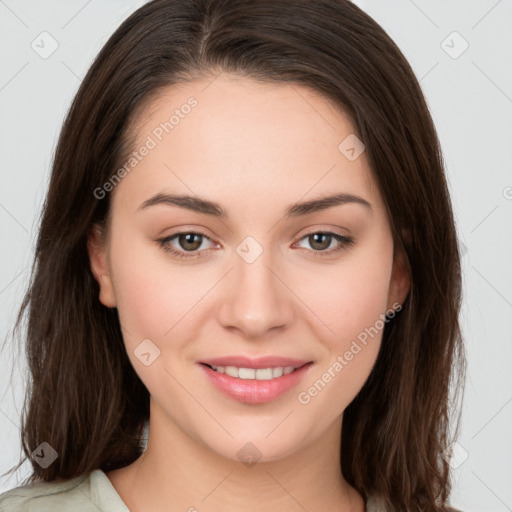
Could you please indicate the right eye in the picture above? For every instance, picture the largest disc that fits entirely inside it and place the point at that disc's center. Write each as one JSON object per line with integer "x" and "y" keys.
{"x": 190, "y": 241}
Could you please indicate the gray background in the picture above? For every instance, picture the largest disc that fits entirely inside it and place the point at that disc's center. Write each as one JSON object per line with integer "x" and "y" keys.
{"x": 470, "y": 97}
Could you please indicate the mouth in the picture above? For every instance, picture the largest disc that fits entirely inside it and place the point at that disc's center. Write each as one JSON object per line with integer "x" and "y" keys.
{"x": 254, "y": 373}
{"x": 255, "y": 385}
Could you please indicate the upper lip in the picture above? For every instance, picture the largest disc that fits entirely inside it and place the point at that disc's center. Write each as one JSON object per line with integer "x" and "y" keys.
{"x": 256, "y": 363}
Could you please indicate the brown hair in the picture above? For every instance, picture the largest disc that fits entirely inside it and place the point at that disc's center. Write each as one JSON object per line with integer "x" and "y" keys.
{"x": 84, "y": 397}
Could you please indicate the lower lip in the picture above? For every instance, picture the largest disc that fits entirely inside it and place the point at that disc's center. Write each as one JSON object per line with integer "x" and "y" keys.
{"x": 253, "y": 391}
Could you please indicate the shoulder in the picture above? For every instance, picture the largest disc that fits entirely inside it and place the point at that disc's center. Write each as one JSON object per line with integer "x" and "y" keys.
{"x": 41, "y": 496}
{"x": 86, "y": 493}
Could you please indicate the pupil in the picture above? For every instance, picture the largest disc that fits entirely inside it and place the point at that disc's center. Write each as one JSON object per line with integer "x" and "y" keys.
{"x": 188, "y": 239}
{"x": 322, "y": 244}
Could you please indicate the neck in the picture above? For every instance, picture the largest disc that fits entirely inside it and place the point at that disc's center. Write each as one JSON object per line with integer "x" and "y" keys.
{"x": 180, "y": 473}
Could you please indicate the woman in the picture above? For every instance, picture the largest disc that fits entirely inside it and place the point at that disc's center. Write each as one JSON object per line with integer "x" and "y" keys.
{"x": 247, "y": 247}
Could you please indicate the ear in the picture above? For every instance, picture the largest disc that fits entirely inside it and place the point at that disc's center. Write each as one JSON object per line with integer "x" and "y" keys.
{"x": 400, "y": 282}
{"x": 96, "y": 247}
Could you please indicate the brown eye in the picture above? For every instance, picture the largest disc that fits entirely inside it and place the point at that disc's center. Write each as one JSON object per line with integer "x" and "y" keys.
{"x": 184, "y": 242}
{"x": 320, "y": 241}
{"x": 190, "y": 241}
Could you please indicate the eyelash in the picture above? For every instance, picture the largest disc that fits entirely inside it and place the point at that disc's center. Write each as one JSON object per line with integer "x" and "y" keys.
{"x": 344, "y": 241}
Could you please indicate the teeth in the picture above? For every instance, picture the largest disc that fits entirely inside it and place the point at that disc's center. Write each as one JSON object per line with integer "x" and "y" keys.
{"x": 251, "y": 373}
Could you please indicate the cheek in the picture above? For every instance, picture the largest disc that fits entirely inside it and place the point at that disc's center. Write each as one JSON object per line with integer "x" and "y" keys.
{"x": 155, "y": 302}
{"x": 151, "y": 295}
{"x": 350, "y": 297}
{"x": 351, "y": 306}
{"x": 357, "y": 302}
{"x": 348, "y": 304}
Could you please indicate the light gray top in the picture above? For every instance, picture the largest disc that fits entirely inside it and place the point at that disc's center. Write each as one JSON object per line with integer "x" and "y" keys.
{"x": 92, "y": 492}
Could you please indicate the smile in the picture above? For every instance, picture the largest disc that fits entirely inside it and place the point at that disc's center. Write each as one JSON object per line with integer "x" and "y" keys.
{"x": 251, "y": 373}
{"x": 254, "y": 386}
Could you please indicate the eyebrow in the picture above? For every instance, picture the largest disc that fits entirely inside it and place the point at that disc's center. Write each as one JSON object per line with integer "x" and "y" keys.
{"x": 207, "y": 207}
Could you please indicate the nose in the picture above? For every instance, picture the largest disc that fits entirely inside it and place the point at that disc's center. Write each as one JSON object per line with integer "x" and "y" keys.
{"x": 256, "y": 299}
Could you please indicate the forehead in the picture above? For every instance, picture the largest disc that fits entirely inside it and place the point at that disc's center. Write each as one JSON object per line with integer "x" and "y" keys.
{"x": 236, "y": 140}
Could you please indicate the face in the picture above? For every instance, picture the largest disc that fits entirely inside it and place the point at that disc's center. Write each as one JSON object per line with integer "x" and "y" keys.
{"x": 192, "y": 285}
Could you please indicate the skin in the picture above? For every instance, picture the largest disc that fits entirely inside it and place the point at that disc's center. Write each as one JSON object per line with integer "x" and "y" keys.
{"x": 255, "y": 149}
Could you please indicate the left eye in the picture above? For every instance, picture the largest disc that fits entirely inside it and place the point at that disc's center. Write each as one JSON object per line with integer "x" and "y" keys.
{"x": 191, "y": 242}
{"x": 319, "y": 239}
